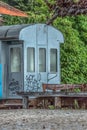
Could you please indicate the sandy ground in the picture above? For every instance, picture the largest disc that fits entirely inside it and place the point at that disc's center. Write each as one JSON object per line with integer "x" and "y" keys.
{"x": 39, "y": 119}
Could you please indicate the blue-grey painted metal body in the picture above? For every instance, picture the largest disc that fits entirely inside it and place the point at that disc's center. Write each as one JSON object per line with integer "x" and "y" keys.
{"x": 37, "y": 37}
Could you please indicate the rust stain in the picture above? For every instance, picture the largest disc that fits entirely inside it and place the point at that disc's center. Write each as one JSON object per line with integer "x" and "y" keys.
{"x": 9, "y": 10}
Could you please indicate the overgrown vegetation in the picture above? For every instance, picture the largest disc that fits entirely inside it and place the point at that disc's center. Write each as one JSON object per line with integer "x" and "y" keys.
{"x": 74, "y": 29}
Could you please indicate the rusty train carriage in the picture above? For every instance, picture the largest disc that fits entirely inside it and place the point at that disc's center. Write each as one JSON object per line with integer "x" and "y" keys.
{"x": 29, "y": 56}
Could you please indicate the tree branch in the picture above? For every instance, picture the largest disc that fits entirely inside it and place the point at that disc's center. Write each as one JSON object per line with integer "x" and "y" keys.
{"x": 67, "y": 8}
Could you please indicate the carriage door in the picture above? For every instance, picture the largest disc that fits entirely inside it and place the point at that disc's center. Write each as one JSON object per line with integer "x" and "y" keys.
{"x": 42, "y": 64}
{"x": 15, "y": 82}
{"x": 36, "y": 68}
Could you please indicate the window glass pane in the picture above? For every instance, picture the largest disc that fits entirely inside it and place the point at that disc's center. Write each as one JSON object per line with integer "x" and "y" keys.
{"x": 53, "y": 60}
{"x": 30, "y": 59}
{"x": 15, "y": 59}
{"x": 42, "y": 60}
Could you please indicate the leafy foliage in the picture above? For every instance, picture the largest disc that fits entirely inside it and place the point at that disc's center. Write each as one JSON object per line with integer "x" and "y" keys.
{"x": 74, "y": 50}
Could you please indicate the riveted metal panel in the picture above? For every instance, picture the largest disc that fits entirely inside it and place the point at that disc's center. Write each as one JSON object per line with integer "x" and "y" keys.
{"x": 41, "y": 34}
{"x": 28, "y": 35}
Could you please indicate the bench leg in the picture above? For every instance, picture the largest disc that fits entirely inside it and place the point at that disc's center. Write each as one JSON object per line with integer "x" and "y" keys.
{"x": 57, "y": 102}
{"x": 25, "y": 102}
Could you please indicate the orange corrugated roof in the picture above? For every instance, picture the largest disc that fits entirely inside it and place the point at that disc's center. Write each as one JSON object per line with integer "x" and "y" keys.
{"x": 9, "y": 10}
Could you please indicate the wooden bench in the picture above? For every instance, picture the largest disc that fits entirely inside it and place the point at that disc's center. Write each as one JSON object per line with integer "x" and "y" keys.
{"x": 38, "y": 95}
{"x": 54, "y": 87}
{"x": 65, "y": 87}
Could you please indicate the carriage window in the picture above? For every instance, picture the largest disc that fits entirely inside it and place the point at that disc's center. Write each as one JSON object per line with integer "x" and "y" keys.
{"x": 53, "y": 60}
{"x": 30, "y": 59}
{"x": 42, "y": 60}
{"x": 15, "y": 59}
